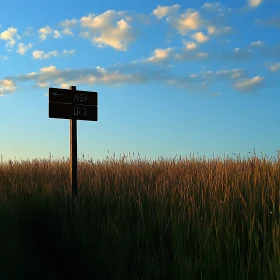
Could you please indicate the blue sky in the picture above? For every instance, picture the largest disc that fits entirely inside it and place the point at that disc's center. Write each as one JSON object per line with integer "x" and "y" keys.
{"x": 173, "y": 78}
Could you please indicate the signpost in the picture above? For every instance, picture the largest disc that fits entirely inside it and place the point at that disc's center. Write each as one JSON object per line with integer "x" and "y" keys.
{"x": 74, "y": 105}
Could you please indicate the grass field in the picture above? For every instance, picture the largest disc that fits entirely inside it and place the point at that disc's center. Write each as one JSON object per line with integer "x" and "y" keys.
{"x": 188, "y": 218}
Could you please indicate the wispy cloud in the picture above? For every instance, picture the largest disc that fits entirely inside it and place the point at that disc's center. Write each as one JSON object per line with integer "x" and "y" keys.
{"x": 69, "y": 23}
{"x": 23, "y": 48}
{"x": 257, "y": 43}
{"x": 248, "y": 85}
{"x": 44, "y": 32}
{"x": 56, "y": 34}
{"x": 273, "y": 66}
{"x": 67, "y": 31}
{"x": 271, "y": 22}
{"x": 38, "y": 54}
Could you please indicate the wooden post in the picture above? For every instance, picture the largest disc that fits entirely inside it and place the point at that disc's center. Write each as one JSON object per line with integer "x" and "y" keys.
{"x": 73, "y": 155}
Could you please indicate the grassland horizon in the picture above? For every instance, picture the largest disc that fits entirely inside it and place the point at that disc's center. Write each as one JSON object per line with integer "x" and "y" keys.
{"x": 180, "y": 218}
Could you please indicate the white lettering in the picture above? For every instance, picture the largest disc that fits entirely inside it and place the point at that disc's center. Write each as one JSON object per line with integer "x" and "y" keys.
{"x": 80, "y": 97}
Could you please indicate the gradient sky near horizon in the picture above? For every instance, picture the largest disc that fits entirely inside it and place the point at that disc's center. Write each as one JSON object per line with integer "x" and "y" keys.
{"x": 173, "y": 77}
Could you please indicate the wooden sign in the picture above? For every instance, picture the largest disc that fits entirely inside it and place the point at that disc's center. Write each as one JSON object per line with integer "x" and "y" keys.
{"x": 72, "y": 104}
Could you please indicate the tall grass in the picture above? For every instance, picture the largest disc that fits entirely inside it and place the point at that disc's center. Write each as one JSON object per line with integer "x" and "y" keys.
{"x": 185, "y": 218}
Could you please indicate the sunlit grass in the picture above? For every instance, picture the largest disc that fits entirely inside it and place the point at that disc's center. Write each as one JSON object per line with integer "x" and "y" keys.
{"x": 184, "y": 218}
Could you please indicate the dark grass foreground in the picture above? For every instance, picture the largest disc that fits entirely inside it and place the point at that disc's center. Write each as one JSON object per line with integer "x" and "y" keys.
{"x": 167, "y": 219}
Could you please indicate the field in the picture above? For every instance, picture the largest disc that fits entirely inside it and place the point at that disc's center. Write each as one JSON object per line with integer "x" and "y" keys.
{"x": 185, "y": 218}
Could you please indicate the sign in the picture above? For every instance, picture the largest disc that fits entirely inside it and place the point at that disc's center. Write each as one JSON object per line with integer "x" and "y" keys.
{"x": 72, "y": 104}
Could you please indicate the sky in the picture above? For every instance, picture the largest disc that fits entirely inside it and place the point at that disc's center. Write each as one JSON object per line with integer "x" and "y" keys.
{"x": 174, "y": 78}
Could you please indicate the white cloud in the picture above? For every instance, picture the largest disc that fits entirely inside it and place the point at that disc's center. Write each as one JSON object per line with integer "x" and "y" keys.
{"x": 232, "y": 73}
{"x": 69, "y": 23}
{"x": 48, "y": 70}
{"x": 38, "y": 54}
{"x": 56, "y": 34}
{"x": 113, "y": 32}
{"x": 255, "y": 3}
{"x": 273, "y": 21}
{"x": 249, "y": 84}
{"x": 200, "y": 37}
{"x": 43, "y": 55}
{"x": 214, "y": 30}
{"x": 42, "y": 85}
{"x": 273, "y": 66}
{"x": 189, "y": 45}
{"x": 28, "y": 31}
{"x": 202, "y": 54}
{"x": 160, "y": 55}
{"x": 22, "y": 48}
{"x": 43, "y": 32}
{"x": 7, "y": 86}
{"x": 163, "y": 11}
{"x": 9, "y": 35}
{"x": 258, "y": 43}
{"x": 209, "y": 5}
{"x": 215, "y": 94}
{"x": 65, "y": 52}
{"x": 186, "y": 55}
{"x": 189, "y": 21}
{"x": 67, "y": 31}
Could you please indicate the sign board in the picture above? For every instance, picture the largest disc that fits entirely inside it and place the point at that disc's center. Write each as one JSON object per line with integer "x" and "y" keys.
{"x": 72, "y": 104}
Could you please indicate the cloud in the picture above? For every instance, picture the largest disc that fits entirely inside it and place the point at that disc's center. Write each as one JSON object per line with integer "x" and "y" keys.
{"x": 189, "y": 45}
{"x": 186, "y": 22}
{"x": 215, "y": 94}
{"x": 272, "y": 22}
{"x": 7, "y": 86}
{"x": 237, "y": 54}
{"x": 42, "y": 85}
{"x": 209, "y": 5}
{"x": 247, "y": 85}
{"x": 270, "y": 50}
{"x": 4, "y": 57}
{"x": 231, "y": 74}
{"x": 28, "y": 31}
{"x": 43, "y": 55}
{"x": 188, "y": 55}
{"x": 200, "y": 37}
{"x": 214, "y": 30}
{"x": 255, "y": 3}
{"x": 215, "y": 7}
{"x": 258, "y": 43}
{"x": 38, "y": 54}
{"x": 273, "y": 66}
{"x": 43, "y": 32}
{"x": 56, "y": 34}
{"x": 163, "y": 11}
{"x": 9, "y": 35}
{"x": 66, "y": 31}
{"x": 114, "y": 31}
{"x": 69, "y": 23}
{"x": 160, "y": 55}
{"x": 52, "y": 75}
{"x": 22, "y": 48}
